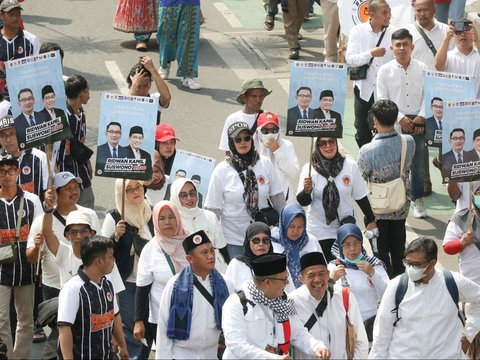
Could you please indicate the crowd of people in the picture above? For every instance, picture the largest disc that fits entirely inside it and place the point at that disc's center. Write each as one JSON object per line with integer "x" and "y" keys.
{"x": 271, "y": 262}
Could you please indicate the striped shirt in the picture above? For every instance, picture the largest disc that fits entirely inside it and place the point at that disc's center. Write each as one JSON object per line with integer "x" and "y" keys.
{"x": 33, "y": 172}
{"x": 21, "y": 272}
{"x": 89, "y": 309}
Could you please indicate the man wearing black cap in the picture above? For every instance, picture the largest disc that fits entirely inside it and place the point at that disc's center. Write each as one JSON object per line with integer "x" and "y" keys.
{"x": 323, "y": 312}
{"x": 260, "y": 322}
{"x": 49, "y": 109}
{"x": 190, "y": 315}
{"x": 135, "y": 138}
{"x": 325, "y": 110}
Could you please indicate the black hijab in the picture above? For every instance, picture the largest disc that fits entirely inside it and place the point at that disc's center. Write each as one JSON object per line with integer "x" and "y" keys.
{"x": 252, "y": 230}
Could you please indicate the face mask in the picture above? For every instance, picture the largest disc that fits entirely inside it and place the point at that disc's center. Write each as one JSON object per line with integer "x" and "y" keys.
{"x": 356, "y": 260}
{"x": 415, "y": 274}
{"x": 476, "y": 201}
{"x": 265, "y": 137}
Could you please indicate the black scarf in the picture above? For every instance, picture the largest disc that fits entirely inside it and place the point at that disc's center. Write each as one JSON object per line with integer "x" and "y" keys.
{"x": 329, "y": 169}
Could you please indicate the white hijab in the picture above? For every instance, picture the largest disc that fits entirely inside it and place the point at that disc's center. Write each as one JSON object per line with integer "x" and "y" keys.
{"x": 187, "y": 215}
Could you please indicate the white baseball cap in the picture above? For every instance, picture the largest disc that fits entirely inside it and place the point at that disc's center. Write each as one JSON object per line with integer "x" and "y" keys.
{"x": 63, "y": 178}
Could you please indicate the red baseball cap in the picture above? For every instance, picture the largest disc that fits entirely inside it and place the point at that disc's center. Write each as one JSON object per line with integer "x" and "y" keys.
{"x": 266, "y": 118}
{"x": 165, "y": 132}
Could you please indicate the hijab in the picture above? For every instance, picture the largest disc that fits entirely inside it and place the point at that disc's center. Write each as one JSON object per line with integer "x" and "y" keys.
{"x": 135, "y": 215}
{"x": 172, "y": 246}
{"x": 252, "y": 230}
{"x": 329, "y": 169}
{"x": 250, "y": 185}
{"x": 292, "y": 248}
{"x": 188, "y": 215}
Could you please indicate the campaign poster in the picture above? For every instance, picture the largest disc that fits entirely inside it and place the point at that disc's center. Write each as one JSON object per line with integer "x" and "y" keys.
{"x": 316, "y": 101}
{"x": 126, "y": 139}
{"x": 193, "y": 166}
{"x": 461, "y": 141}
{"x": 439, "y": 87}
{"x": 353, "y": 12}
{"x": 37, "y": 96}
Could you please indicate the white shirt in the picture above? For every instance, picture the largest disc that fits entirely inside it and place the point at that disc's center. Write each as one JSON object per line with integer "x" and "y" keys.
{"x": 238, "y": 273}
{"x": 367, "y": 291}
{"x": 50, "y": 273}
{"x": 246, "y": 336}
{"x": 233, "y": 118}
{"x": 421, "y": 51}
{"x": 361, "y": 41}
{"x": 68, "y": 265}
{"x": 429, "y": 327}
{"x": 465, "y": 64}
{"x": 203, "y": 339}
{"x": 153, "y": 269}
{"x": 331, "y": 327}
{"x": 351, "y": 187}
{"x": 225, "y": 193}
{"x": 403, "y": 87}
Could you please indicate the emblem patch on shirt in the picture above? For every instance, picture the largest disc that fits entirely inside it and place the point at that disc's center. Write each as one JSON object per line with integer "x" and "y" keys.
{"x": 346, "y": 180}
{"x": 26, "y": 170}
{"x": 20, "y": 50}
{"x": 21, "y": 213}
{"x": 109, "y": 296}
{"x": 261, "y": 180}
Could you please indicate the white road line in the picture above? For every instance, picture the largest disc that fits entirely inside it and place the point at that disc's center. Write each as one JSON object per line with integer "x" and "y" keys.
{"x": 228, "y": 15}
{"x": 117, "y": 76}
{"x": 285, "y": 84}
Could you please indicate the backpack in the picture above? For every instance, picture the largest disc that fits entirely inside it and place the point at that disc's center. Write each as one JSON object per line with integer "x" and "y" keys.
{"x": 244, "y": 301}
{"x": 451, "y": 286}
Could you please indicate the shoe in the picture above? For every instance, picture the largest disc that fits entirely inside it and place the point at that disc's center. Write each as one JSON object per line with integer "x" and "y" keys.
{"x": 142, "y": 46}
{"x": 191, "y": 83}
{"x": 427, "y": 188}
{"x": 164, "y": 72}
{"x": 269, "y": 23}
{"x": 265, "y": 6}
{"x": 300, "y": 36}
{"x": 294, "y": 55}
{"x": 419, "y": 209}
{"x": 39, "y": 336}
{"x": 436, "y": 162}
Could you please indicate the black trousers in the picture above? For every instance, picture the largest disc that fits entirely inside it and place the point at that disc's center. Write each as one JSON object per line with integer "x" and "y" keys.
{"x": 391, "y": 245}
{"x": 362, "y": 125}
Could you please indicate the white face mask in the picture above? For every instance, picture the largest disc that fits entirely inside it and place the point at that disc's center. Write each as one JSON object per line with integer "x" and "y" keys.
{"x": 265, "y": 137}
{"x": 416, "y": 274}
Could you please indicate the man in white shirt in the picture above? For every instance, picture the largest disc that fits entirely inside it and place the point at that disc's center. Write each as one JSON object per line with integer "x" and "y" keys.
{"x": 190, "y": 315}
{"x": 364, "y": 45}
{"x": 251, "y": 95}
{"x": 427, "y": 323}
{"x": 401, "y": 81}
{"x": 323, "y": 313}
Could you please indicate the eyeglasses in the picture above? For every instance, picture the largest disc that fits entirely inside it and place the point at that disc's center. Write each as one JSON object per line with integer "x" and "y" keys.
{"x": 352, "y": 244}
{"x": 285, "y": 280}
{"x": 415, "y": 266}
{"x": 325, "y": 143}
{"x": 437, "y": 106}
{"x": 304, "y": 96}
{"x": 239, "y": 139}
{"x": 266, "y": 131}
{"x": 133, "y": 189}
{"x": 82, "y": 232}
{"x": 10, "y": 171}
{"x": 458, "y": 138}
{"x": 185, "y": 195}
{"x": 30, "y": 98}
{"x": 49, "y": 97}
{"x": 114, "y": 132}
{"x": 257, "y": 240}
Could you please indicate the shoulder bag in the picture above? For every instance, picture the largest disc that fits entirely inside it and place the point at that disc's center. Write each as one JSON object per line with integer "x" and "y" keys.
{"x": 360, "y": 72}
{"x": 8, "y": 251}
{"x": 391, "y": 196}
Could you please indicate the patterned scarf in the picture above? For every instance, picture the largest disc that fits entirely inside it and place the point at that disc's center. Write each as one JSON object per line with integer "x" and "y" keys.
{"x": 281, "y": 306}
{"x": 329, "y": 169}
{"x": 250, "y": 185}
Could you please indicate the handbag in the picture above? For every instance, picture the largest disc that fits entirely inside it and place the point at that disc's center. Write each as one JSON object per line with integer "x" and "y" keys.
{"x": 80, "y": 152}
{"x": 8, "y": 251}
{"x": 268, "y": 216}
{"x": 360, "y": 72}
{"x": 350, "y": 335}
{"x": 391, "y": 196}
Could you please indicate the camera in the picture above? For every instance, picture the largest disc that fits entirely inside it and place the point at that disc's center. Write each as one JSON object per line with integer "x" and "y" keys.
{"x": 462, "y": 26}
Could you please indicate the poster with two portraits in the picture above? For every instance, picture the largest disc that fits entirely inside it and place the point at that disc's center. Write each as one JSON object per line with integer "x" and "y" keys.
{"x": 452, "y": 122}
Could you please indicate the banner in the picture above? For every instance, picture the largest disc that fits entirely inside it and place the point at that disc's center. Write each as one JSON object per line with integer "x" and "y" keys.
{"x": 440, "y": 87}
{"x": 38, "y": 100}
{"x": 316, "y": 101}
{"x": 196, "y": 167}
{"x": 461, "y": 142}
{"x": 126, "y": 136}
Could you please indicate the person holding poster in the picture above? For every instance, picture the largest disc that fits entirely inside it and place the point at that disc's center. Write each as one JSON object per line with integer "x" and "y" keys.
{"x": 241, "y": 188}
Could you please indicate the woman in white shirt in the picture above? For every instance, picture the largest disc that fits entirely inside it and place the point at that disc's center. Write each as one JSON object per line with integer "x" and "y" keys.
{"x": 129, "y": 235}
{"x": 365, "y": 275}
{"x": 184, "y": 195}
{"x": 241, "y": 187}
{"x": 329, "y": 188}
{"x": 161, "y": 258}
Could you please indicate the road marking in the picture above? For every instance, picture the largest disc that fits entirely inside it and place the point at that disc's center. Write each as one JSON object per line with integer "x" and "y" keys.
{"x": 228, "y": 15}
{"x": 285, "y": 84}
{"x": 117, "y": 76}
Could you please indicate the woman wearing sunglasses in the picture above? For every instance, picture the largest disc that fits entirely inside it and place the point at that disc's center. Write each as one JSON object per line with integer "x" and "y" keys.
{"x": 242, "y": 188}
{"x": 281, "y": 152}
{"x": 330, "y": 192}
{"x": 184, "y": 194}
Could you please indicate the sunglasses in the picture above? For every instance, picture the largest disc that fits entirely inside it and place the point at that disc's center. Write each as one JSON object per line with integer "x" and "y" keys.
{"x": 269, "y": 131}
{"x": 190, "y": 194}
{"x": 239, "y": 139}
{"x": 325, "y": 143}
{"x": 257, "y": 240}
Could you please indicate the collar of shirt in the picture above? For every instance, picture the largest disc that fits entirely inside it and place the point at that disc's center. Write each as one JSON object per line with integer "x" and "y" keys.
{"x": 455, "y": 51}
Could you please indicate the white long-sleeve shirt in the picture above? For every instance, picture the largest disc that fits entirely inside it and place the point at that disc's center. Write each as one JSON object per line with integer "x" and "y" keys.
{"x": 331, "y": 327}
{"x": 429, "y": 327}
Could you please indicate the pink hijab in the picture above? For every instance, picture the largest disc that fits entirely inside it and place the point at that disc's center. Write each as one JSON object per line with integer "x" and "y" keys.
{"x": 171, "y": 245}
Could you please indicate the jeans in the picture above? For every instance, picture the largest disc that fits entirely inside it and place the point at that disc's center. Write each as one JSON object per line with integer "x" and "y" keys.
{"x": 49, "y": 292}
{"x": 454, "y": 10}
{"x": 142, "y": 37}
{"x": 417, "y": 170}
{"x": 391, "y": 245}
{"x": 234, "y": 250}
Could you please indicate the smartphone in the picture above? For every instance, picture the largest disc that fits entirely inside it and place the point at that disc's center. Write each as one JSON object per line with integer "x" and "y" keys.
{"x": 461, "y": 26}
